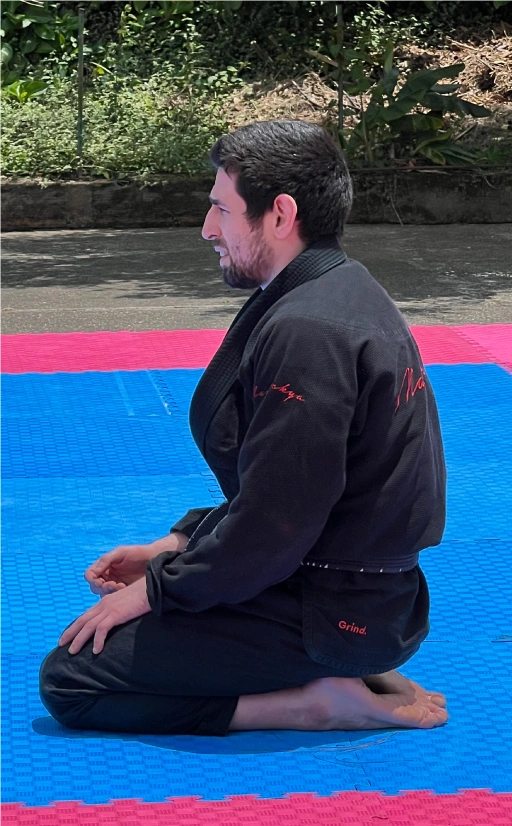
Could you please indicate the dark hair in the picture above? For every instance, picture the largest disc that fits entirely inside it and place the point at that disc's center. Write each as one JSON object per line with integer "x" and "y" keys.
{"x": 292, "y": 157}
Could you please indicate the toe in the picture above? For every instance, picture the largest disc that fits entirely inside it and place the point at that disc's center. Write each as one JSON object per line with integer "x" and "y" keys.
{"x": 438, "y": 699}
{"x": 439, "y": 716}
{"x": 420, "y": 714}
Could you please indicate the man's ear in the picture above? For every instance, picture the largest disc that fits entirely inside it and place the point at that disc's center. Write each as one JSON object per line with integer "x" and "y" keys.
{"x": 284, "y": 215}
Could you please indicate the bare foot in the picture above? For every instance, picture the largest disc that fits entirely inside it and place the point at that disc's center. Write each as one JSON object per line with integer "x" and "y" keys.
{"x": 392, "y": 682}
{"x": 347, "y": 704}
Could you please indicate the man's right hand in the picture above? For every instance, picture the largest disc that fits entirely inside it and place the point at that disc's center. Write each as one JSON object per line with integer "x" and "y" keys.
{"x": 127, "y": 563}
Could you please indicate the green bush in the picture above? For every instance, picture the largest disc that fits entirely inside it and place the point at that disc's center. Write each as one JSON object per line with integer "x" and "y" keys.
{"x": 260, "y": 38}
{"x": 157, "y": 73}
{"x": 39, "y": 139}
{"x": 130, "y": 128}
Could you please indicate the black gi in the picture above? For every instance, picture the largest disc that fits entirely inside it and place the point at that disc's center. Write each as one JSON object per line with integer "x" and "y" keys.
{"x": 320, "y": 425}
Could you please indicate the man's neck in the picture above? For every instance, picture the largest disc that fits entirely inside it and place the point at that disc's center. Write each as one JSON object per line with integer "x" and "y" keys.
{"x": 284, "y": 259}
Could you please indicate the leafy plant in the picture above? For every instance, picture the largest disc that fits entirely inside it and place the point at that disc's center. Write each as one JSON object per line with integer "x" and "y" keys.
{"x": 415, "y": 120}
{"x": 32, "y": 30}
{"x": 22, "y": 90}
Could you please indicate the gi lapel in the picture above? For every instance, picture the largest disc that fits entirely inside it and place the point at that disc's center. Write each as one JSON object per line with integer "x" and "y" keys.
{"x": 222, "y": 371}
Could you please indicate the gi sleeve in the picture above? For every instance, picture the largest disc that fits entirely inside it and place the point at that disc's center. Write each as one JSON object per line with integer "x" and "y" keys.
{"x": 302, "y": 385}
{"x": 191, "y": 521}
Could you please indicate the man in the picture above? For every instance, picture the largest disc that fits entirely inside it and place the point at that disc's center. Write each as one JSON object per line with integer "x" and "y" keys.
{"x": 290, "y": 605}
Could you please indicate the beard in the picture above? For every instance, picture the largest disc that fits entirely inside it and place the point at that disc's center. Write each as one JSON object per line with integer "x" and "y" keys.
{"x": 251, "y": 270}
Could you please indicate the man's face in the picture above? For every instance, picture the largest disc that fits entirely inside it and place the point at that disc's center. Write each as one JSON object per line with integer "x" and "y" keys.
{"x": 246, "y": 257}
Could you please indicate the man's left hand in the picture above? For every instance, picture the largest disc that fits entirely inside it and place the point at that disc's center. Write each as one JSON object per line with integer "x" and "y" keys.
{"x": 113, "y": 609}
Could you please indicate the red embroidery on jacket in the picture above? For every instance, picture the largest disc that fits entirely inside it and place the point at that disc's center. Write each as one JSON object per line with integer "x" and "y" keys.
{"x": 290, "y": 394}
{"x": 407, "y": 383}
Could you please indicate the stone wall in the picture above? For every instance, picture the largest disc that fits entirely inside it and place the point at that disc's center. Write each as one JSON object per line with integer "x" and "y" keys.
{"x": 432, "y": 196}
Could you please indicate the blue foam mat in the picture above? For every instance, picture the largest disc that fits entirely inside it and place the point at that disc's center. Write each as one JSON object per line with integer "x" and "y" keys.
{"x": 43, "y": 592}
{"x": 78, "y": 504}
{"x": 52, "y": 512}
{"x": 120, "y": 393}
{"x": 78, "y": 447}
{"x": 55, "y": 528}
{"x": 123, "y": 393}
{"x": 479, "y": 499}
{"x": 464, "y": 387}
{"x": 45, "y": 762}
{"x": 90, "y": 516}
{"x": 470, "y": 589}
{"x": 110, "y": 447}
{"x": 86, "y": 442}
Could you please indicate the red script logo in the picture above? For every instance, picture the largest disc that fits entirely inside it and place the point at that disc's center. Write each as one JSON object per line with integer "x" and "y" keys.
{"x": 345, "y": 626}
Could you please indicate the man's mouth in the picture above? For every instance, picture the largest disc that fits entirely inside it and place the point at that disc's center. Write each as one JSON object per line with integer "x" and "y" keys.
{"x": 222, "y": 251}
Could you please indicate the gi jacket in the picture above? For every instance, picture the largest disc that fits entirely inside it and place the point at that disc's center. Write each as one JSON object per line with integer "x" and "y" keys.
{"x": 320, "y": 425}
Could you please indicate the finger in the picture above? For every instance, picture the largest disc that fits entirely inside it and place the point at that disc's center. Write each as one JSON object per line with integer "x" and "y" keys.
{"x": 104, "y": 562}
{"x": 96, "y": 572}
{"x": 97, "y": 587}
{"x": 111, "y": 587}
{"x": 96, "y": 582}
{"x": 101, "y": 632}
{"x": 78, "y": 624}
{"x": 70, "y": 632}
{"x": 85, "y": 634}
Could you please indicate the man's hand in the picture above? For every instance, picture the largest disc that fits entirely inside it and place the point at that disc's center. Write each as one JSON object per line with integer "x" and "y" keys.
{"x": 113, "y": 609}
{"x": 126, "y": 564}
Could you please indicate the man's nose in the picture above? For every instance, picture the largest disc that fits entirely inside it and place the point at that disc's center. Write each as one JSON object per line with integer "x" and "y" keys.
{"x": 210, "y": 230}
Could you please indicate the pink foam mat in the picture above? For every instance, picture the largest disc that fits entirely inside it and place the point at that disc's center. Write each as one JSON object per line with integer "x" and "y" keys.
{"x": 444, "y": 345}
{"x": 160, "y": 350}
{"x": 495, "y": 338}
{"x": 77, "y": 352}
{"x": 471, "y": 808}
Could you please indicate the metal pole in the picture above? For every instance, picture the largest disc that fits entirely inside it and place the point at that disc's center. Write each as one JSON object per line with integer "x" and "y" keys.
{"x": 80, "y": 136}
{"x": 339, "y": 58}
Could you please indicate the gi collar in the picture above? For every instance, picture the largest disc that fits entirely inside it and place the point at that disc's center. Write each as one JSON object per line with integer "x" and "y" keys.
{"x": 222, "y": 372}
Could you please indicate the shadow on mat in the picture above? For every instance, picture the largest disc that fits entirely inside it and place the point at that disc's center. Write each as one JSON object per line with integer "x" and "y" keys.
{"x": 242, "y": 742}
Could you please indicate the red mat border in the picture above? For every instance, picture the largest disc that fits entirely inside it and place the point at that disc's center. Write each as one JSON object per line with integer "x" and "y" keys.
{"x": 188, "y": 349}
{"x": 476, "y": 807}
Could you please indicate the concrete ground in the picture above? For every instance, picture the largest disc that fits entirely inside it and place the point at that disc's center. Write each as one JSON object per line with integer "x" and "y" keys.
{"x": 165, "y": 279}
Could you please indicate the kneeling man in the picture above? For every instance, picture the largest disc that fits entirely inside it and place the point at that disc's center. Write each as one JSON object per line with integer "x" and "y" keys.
{"x": 292, "y": 603}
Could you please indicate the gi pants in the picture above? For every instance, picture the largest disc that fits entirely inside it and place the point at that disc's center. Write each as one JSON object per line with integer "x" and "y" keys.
{"x": 182, "y": 673}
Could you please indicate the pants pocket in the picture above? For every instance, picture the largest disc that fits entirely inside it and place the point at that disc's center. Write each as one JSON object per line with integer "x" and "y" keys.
{"x": 364, "y": 623}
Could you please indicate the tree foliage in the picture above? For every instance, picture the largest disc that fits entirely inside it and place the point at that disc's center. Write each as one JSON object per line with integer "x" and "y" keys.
{"x": 201, "y": 51}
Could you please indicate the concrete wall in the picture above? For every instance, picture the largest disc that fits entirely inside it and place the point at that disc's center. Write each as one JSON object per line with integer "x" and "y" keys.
{"x": 432, "y": 196}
